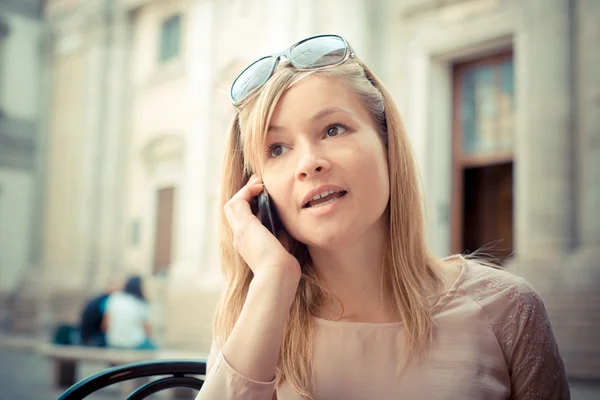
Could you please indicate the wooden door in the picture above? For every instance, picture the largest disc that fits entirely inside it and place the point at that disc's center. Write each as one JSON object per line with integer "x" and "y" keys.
{"x": 483, "y": 137}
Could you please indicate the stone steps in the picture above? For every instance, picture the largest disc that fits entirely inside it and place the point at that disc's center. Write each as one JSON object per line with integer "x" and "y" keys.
{"x": 24, "y": 312}
{"x": 575, "y": 318}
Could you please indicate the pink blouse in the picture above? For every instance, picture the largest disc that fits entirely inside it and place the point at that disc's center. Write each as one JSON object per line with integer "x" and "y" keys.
{"x": 492, "y": 340}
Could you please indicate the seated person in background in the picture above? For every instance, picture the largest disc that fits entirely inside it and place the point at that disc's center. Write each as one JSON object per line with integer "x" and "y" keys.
{"x": 126, "y": 320}
{"x": 90, "y": 326}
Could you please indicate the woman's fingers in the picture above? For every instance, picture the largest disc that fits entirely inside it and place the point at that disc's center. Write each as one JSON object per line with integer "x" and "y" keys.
{"x": 237, "y": 209}
{"x": 257, "y": 246}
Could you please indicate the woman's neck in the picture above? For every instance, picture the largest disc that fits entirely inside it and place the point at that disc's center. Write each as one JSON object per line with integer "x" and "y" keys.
{"x": 353, "y": 274}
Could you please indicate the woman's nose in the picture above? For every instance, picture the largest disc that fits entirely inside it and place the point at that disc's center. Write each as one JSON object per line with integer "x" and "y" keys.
{"x": 311, "y": 163}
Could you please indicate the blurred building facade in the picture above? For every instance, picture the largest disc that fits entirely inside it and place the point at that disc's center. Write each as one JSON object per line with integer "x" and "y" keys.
{"x": 20, "y": 173}
{"x": 500, "y": 99}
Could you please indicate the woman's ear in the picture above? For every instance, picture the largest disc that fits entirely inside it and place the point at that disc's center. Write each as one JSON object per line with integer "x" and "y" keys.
{"x": 247, "y": 175}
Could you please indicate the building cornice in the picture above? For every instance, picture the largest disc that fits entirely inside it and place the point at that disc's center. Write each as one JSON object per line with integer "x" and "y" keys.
{"x": 134, "y": 5}
{"x": 416, "y": 8}
{"x": 79, "y": 16}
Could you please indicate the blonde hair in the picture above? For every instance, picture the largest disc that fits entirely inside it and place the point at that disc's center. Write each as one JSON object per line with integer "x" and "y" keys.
{"x": 409, "y": 268}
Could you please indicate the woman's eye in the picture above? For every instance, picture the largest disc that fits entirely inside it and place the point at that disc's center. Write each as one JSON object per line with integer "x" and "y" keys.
{"x": 335, "y": 130}
{"x": 275, "y": 150}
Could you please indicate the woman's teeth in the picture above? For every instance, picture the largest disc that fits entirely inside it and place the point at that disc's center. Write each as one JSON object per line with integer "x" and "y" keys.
{"x": 324, "y": 194}
{"x": 320, "y": 200}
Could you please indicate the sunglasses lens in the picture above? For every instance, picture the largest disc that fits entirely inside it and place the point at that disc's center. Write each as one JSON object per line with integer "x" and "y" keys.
{"x": 319, "y": 52}
{"x": 254, "y": 76}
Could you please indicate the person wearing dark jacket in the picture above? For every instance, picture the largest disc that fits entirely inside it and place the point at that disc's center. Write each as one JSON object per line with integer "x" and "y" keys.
{"x": 91, "y": 331}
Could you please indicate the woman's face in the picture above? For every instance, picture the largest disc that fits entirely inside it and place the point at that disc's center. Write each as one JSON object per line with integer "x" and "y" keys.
{"x": 321, "y": 141}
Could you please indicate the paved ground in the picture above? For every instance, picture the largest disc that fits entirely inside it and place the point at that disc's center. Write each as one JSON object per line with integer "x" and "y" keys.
{"x": 26, "y": 376}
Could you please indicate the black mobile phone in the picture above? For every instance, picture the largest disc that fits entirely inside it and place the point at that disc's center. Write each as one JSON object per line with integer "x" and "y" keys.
{"x": 267, "y": 213}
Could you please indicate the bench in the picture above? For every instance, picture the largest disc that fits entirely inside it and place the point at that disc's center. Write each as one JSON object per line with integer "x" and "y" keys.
{"x": 66, "y": 357}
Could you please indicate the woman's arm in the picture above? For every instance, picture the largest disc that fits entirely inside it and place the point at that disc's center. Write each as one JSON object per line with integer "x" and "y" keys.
{"x": 245, "y": 367}
{"x": 536, "y": 370}
{"x": 253, "y": 347}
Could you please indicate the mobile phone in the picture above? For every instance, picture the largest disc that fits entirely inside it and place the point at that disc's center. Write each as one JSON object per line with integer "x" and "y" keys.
{"x": 267, "y": 213}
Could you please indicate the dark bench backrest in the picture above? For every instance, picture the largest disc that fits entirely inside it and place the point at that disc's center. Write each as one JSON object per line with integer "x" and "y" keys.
{"x": 178, "y": 374}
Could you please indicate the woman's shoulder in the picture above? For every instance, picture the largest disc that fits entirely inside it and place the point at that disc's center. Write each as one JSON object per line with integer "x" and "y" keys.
{"x": 496, "y": 289}
{"x": 518, "y": 318}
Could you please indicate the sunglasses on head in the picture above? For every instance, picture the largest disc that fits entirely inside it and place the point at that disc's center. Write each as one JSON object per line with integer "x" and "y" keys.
{"x": 311, "y": 53}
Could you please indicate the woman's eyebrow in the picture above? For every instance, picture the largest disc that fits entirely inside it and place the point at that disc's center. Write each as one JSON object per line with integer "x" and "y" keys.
{"x": 319, "y": 115}
{"x": 331, "y": 110}
{"x": 275, "y": 129}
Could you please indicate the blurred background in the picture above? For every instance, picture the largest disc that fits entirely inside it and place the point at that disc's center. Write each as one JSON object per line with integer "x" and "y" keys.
{"x": 113, "y": 116}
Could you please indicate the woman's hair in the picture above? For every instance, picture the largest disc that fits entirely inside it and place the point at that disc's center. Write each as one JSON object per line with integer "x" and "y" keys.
{"x": 409, "y": 268}
{"x": 133, "y": 286}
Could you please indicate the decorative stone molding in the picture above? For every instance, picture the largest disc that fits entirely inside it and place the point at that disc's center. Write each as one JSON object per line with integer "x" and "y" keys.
{"x": 163, "y": 148}
{"x": 417, "y": 8}
{"x": 78, "y": 16}
{"x": 132, "y": 5}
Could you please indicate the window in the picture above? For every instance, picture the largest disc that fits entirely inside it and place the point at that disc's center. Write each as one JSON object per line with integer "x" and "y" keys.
{"x": 486, "y": 102}
{"x": 483, "y": 143}
{"x": 135, "y": 232}
{"x": 170, "y": 38}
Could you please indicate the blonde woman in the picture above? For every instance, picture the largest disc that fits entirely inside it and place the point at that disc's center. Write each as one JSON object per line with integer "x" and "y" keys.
{"x": 347, "y": 302}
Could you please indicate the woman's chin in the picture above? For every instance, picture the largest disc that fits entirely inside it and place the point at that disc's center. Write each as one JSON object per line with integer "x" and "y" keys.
{"x": 327, "y": 240}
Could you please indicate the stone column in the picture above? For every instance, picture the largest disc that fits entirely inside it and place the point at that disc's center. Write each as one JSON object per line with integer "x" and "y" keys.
{"x": 62, "y": 238}
{"x": 543, "y": 154}
{"x": 26, "y": 311}
{"x": 558, "y": 167}
{"x": 77, "y": 148}
{"x": 186, "y": 324}
{"x": 191, "y": 224}
{"x": 582, "y": 350}
{"x": 95, "y": 164}
{"x": 45, "y": 99}
{"x": 588, "y": 117}
{"x": 70, "y": 149}
{"x": 116, "y": 139}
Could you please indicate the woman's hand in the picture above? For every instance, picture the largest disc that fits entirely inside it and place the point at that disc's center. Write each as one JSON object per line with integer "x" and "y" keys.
{"x": 263, "y": 252}
{"x": 253, "y": 346}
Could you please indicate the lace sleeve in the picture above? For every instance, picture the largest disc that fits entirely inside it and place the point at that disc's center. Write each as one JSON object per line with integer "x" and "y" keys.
{"x": 535, "y": 365}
